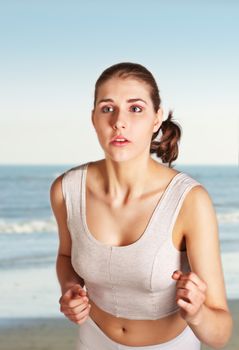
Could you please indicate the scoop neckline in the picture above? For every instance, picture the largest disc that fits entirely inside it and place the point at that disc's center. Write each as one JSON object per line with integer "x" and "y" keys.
{"x": 150, "y": 221}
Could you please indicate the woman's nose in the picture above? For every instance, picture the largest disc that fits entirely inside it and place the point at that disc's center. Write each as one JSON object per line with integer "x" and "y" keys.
{"x": 119, "y": 124}
{"x": 119, "y": 119}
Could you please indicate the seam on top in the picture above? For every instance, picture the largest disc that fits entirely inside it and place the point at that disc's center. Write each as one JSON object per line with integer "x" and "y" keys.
{"x": 111, "y": 283}
{"x": 63, "y": 185}
{"x": 82, "y": 198}
{"x": 66, "y": 196}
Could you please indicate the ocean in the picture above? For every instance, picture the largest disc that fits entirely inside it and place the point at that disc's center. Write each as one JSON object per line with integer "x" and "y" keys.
{"x": 29, "y": 239}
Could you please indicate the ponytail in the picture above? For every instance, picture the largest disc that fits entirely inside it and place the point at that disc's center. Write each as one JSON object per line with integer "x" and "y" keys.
{"x": 167, "y": 147}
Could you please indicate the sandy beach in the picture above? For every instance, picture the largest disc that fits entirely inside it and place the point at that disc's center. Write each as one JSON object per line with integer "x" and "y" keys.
{"x": 60, "y": 334}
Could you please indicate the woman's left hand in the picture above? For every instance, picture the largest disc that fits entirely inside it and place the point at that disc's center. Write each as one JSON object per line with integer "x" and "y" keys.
{"x": 190, "y": 295}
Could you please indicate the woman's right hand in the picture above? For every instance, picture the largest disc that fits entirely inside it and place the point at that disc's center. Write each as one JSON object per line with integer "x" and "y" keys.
{"x": 75, "y": 304}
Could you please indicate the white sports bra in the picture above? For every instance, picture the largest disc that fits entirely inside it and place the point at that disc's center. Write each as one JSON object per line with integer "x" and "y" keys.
{"x": 132, "y": 281}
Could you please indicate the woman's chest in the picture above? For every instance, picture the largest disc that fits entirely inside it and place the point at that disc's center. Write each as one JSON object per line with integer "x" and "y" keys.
{"x": 124, "y": 225}
{"x": 126, "y": 246}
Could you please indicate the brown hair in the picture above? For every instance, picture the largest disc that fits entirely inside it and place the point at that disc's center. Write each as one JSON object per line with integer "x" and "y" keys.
{"x": 167, "y": 147}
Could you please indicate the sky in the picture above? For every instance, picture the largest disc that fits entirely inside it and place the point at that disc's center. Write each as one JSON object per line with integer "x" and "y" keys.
{"x": 52, "y": 52}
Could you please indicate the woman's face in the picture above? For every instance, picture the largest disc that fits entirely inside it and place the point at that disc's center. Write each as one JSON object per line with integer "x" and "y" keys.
{"x": 124, "y": 107}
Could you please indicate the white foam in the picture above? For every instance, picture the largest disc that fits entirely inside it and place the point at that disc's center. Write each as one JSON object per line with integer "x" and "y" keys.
{"x": 49, "y": 225}
{"x": 26, "y": 226}
{"x": 231, "y": 217}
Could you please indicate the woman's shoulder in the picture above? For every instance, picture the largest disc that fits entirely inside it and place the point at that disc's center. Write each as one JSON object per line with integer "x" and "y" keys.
{"x": 187, "y": 177}
{"x": 58, "y": 184}
{"x": 197, "y": 193}
{"x": 167, "y": 174}
{"x": 197, "y": 199}
{"x": 75, "y": 168}
{"x": 197, "y": 204}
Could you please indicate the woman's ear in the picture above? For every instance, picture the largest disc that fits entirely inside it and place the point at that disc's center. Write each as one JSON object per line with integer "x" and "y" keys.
{"x": 92, "y": 117}
{"x": 158, "y": 119}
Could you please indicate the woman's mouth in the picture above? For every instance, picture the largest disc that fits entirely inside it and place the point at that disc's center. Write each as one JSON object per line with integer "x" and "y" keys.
{"x": 120, "y": 142}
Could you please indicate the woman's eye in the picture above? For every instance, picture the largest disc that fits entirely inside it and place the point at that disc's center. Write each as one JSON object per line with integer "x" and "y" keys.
{"x": 106, "y": 108}
{"x": 137, "y": 107}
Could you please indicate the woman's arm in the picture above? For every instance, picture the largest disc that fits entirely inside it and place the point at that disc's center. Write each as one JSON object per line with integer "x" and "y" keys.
{"x": 66, "y": 274}
{"x": 74, "y": 302}
{"x": 201, "y": 294}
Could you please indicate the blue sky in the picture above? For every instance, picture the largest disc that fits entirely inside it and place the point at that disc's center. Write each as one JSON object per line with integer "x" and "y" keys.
{"x": 52, "y": 52}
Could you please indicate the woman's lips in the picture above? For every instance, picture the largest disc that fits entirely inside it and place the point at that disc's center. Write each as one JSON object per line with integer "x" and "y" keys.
{"x": 120, "y": 143}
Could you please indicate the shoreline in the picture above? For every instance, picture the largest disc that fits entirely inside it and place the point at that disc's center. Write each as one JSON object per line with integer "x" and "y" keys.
{"x": 60, "y": 333}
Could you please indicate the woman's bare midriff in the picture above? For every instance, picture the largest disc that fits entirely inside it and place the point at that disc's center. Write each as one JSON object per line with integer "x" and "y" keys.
{"x": 137, "y": 332}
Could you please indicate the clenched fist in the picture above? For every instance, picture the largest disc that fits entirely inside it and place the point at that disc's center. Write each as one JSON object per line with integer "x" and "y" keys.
{"x": 75, "y": 304}
{"x": 190, "y": 295}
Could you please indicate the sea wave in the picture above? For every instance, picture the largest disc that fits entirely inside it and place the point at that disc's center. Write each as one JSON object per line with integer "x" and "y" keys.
{"x": 49, "y": 225}
{"x": 230, "y": 217}
{"x": 28, "y": 226}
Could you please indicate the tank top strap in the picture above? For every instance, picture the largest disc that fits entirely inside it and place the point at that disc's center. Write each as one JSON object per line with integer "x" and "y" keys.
{"x": 72, "y": 192}
{"x": 171, "y": 205}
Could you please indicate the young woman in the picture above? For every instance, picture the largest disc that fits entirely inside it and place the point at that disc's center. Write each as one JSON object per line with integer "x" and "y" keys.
{"x": 139, "y": 258}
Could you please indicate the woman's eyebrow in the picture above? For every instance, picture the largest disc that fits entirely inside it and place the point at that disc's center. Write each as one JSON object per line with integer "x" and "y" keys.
{"x": 129, "y": 101}
{"x": 135, "y": 100}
